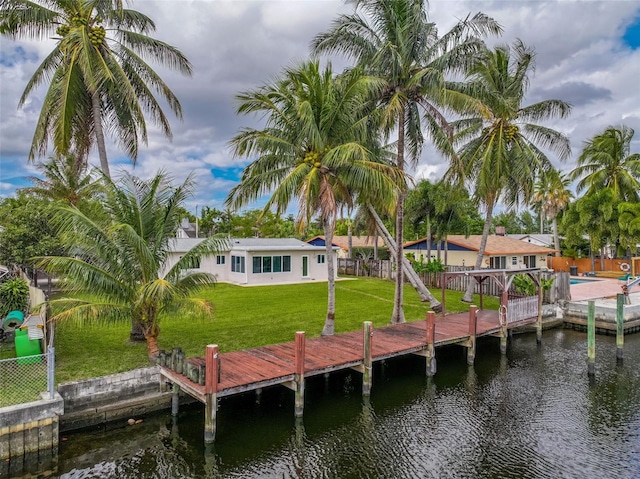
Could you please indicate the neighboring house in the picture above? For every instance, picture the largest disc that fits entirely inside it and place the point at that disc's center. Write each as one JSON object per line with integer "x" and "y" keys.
{"x": 254, "y": 261}
{"x": 537, "y": 239}
{"x": 502, "y": 252}
{"x": 342, "y": 242}
{"x": 187, "y": 229}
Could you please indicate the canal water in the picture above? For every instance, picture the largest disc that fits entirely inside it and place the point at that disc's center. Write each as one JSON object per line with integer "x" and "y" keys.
{"x": 533, "y": 413}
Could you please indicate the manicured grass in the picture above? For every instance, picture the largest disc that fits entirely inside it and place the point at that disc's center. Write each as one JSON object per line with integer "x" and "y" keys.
{"x": 244, "y": 317}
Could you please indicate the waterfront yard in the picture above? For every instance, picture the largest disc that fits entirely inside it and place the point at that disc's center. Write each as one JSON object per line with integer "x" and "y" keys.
{"x": 244, "y": 317}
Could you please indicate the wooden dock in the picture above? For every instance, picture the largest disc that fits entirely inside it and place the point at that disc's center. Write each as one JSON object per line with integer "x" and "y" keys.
{"x": 287, "y": 364}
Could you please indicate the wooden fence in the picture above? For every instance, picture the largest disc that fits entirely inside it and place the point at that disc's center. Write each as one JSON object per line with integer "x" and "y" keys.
{"x": 384, "y": 269}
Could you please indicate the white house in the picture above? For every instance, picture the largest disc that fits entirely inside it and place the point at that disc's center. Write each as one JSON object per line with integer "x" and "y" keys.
{"x": 255, "y": 261}
{"x": 501, "y": 252}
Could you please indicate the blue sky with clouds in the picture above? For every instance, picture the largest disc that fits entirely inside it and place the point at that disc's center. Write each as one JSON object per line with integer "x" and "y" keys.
{"x": 588, "y": 53}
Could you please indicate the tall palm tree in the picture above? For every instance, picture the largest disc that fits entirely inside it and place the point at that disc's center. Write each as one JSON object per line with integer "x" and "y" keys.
{"x": 552, "y": 194}
{"x": 393, "y": 40}
{"x": 313, "y": 149}
{"x": 606, "y": 161}
{"x": 117, "y": 271}
{"x": 98, "y": 75}
{"x": 65, "y": 179}
{"x": 502, "y": 142}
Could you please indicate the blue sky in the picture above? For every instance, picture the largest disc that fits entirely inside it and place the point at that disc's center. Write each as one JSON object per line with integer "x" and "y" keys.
{"x": 587, "y": 53}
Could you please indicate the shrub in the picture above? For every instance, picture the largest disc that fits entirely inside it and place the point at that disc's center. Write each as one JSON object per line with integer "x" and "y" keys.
{"x": 14, "y": 295}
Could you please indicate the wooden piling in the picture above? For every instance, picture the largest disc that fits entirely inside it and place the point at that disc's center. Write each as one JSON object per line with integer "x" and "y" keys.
{"x": 175, "y": 399}
{"x": 299, "y": 374}
{"x": 539, "y": 320}
{"x": 591, "y": 338}
{"x": 620, "y": 326}
{"x": 473, "y": 325}
{"x": 504, "y": 334}
{"x": 431, "y": 350}
{"x": 212, "y": 367}
{"x": 367, "y": 333}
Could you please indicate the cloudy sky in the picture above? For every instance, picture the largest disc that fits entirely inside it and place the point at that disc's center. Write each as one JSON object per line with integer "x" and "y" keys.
{"x": 588, "y": 53}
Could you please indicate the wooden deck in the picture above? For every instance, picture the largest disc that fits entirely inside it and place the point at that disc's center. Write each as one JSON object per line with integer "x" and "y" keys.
{"x": 252, "y": 369}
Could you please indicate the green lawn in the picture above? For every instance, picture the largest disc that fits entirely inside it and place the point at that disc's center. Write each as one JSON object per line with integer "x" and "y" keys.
{"x": 244, "y": 317}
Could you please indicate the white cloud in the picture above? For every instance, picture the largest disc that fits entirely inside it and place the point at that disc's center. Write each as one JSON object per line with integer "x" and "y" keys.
{"x": 241, "y": 44}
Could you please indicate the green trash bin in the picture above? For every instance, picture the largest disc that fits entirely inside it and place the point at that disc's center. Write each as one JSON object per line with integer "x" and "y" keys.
{"x": 26, "y": 347}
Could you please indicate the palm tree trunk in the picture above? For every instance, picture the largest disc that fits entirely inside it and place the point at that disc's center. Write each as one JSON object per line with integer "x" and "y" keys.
{"x": 350, "y": 240}
{"x": 97, "y": 121}
{"x": 398, "y": 311}
{"x": 556, "y": 239}
{"x": 329, "y": 323}
{"x": 152, "y": 346}
{"x": 428, "y": 239}
{"x": 410, "y": 273}
{"x": 468, "y": 295}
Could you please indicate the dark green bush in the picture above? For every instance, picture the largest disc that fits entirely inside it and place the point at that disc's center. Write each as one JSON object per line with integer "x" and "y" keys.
{"x": 14, "y": 295}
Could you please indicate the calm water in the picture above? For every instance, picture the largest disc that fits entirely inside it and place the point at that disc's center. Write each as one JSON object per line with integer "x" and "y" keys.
{"x": 531, "y": 414}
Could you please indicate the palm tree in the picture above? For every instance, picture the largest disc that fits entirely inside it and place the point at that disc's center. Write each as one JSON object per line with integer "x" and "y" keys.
{"x": 313, "y": 149}
{"x": 606, "y": 162}
{"x": 394, "y": 41}
{"x": 552, "y": 194}
{"x": 501, "y": 145}
{"x": 98, "y": 76}
{"x": 118, "y": 268}
{"x": 629, "y": 223}
{"x": 596, "y": 215}
{"x": 65, "y": 179}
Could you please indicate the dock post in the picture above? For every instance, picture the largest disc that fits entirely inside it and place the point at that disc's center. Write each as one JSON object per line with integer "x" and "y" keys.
{"x": 620, "y": 326}
{"x": 212, "y": 370}
{"x": 591, "y": 339}
{"x": 175, "y": 399}
{"x": 299, "y": 375}
{"x": 431, "y": 350}
{"x": 367, "y": 333}
{"x": 504, "y": 330}
{"x": 473, "y": 323}
{"x": 539, "y": 319}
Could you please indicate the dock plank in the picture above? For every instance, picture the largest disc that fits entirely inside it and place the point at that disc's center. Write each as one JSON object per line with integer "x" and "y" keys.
{"x": 275, "y": 364}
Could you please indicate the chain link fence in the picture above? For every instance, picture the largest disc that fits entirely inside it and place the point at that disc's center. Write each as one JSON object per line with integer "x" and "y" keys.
{"x": 24, "y": 379}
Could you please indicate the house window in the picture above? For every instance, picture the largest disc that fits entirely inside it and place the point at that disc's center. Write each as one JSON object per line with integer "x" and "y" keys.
{"x": 257, "y": 264}
{"x": 271, "y": 264}
{"x": 529, "y": 261}
{"x": 237, "y": 264}
{"x": 321, "y": 259}
{"x": 498, "y": 262}
{"x": 220, "y": 259}
{"x": 277, "y": 264}
{"x": 514, "y": 260}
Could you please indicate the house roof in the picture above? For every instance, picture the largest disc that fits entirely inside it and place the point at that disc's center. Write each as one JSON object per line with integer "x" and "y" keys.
{"x": 545, "y": 238}
{"x": 181, "y": 245}
{"x": 271, "y": 244}
{"x": 496, "y": 245}
{"x": 356, "y": 241}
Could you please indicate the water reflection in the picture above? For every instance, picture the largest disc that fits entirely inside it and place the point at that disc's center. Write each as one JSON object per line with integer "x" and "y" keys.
{"x": 529, "y": 414}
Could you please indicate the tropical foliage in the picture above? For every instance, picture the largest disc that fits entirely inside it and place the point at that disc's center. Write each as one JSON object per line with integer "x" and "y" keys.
{"x": 501, "y": 143}
{"x": 65, "y": 179}
{"x": 99, "y": 79}
{"x": 606, "y": 161}
{"x": 552, "y": 195}
{"x": 313, "y": 149}
{"x": 14, "y": 295}
{"x": 120, "y": 267}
